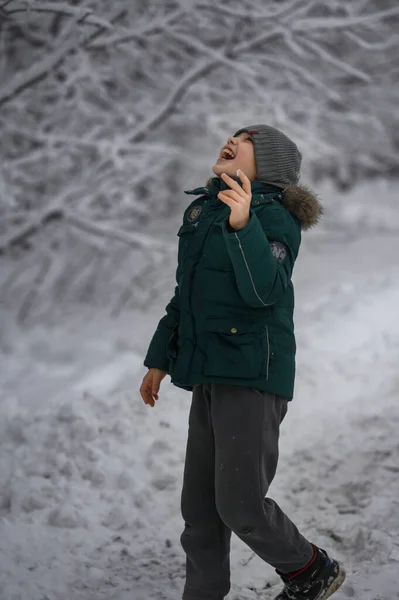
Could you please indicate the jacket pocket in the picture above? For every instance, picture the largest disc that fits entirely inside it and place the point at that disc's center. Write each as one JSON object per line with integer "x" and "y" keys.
{"x": 185, "y": 234}
{"x": 236, "y": 349}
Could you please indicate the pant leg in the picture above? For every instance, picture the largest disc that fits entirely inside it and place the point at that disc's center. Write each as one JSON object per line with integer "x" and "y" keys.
{"x": 246, "y": 425}
{"x": 205, "y": 539}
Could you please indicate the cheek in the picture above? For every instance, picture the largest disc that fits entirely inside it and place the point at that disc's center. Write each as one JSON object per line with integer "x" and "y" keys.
{"x": 248, "y": 159}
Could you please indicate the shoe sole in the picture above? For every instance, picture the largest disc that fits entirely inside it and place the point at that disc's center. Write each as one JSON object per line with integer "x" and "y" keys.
{"x": 336, "y": 584}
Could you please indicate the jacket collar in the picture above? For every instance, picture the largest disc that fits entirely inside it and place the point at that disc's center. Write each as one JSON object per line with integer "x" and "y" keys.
{"x": 216, "y": 184}
{"x": 298, "y": 199}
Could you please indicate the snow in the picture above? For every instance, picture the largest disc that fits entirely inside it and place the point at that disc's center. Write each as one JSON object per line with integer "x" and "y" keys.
{"x": 90, "y": 477}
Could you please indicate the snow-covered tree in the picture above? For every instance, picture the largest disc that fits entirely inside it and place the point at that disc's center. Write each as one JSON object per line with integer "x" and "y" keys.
{"x": 108, "y": 110}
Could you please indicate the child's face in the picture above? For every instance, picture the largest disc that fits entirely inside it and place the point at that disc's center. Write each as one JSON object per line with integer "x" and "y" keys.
{"x": 238, "y": 153}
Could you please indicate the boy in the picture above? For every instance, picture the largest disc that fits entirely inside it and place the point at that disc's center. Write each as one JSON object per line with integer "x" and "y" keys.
{"x": 228, "y": 336}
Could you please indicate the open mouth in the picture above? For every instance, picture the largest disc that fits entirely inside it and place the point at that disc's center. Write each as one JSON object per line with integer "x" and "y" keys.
{"x": 227, "y": 154}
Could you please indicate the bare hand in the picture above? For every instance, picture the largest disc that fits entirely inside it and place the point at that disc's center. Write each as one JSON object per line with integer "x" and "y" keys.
{"x": 150, "y": 387}
{"x": 238, "y": 198}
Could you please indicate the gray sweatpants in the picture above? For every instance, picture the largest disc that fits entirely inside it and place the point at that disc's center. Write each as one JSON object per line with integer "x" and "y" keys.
{"x": 231, "y": 459}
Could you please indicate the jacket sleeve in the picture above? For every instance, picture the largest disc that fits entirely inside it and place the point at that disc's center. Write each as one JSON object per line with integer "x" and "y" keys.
{"x": 156, "y": 356}
{"x": 263, "y": 254}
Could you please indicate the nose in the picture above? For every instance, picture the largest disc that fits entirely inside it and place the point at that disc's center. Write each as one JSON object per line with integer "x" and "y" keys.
{"x": 232, "y": 140}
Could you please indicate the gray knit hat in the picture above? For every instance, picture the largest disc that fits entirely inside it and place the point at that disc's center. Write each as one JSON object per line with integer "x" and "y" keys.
{"x": 278, "y": 160}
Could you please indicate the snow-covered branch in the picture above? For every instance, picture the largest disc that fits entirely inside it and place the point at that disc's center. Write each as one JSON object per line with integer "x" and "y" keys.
{"x": 376, "y": 46}
{"x": 217, "y": 56}
{"x": 238, "y": 13}
{"x": 265, "y": 36}
{"x": 126, "y": 36}
{"x": 81, "y": 15}
{"x": 331, "y": 23}
{"x": 103, "y": 110}
{"x": 329, "y": 58}
{"x": 133, "y": 240}
{"x": 37, "y": 71}
{"x": 193, "y": 75}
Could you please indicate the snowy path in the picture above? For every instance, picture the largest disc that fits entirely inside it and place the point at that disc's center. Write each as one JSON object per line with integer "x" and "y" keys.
{"x": 90, "y": 477}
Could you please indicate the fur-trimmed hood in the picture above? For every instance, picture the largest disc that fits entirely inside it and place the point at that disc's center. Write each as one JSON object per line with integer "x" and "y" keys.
{"x": 300, "y": 201}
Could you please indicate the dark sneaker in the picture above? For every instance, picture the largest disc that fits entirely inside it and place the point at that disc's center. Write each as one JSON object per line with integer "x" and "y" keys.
{"x": 320, "y": 580}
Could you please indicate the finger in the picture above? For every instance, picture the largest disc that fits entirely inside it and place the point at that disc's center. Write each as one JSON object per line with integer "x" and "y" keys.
{"x": 246, "y": 183}
{"x": 148, "y": 399}
{"x": 233, "y": 184}
{"x": 145, "y": 392}
{"x": 146, "y": 395}
{"x": 155, "y": 390}
{"x": 227, "y": 200}
{"x": 233, "y": 195}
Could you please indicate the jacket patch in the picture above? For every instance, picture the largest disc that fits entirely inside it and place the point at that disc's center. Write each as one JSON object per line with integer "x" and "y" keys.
{"x": 279, "y": 251}
{"x": 194, "y": 213}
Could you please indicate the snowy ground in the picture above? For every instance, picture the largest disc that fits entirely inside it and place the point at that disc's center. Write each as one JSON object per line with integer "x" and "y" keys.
{"x": 90, "y": 477}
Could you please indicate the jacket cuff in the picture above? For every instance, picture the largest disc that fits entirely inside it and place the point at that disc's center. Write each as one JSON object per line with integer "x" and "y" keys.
{"x": 160, "y": 366}
{"x": 157, "y": 354}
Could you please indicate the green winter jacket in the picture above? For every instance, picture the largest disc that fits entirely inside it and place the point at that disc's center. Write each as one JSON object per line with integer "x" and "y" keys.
{"x": 231, "y": 317}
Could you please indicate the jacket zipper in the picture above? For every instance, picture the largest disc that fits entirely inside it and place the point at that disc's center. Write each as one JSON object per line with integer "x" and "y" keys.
{"x": 268, "y": 352}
